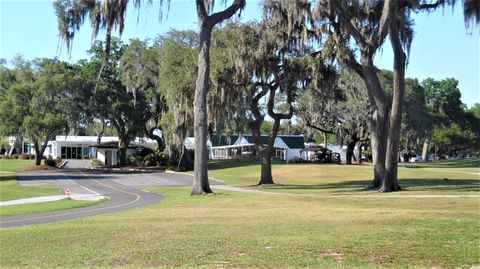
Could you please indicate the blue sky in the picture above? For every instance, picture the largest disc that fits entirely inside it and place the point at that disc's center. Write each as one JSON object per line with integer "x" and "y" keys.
{"x": 442, "y": 46}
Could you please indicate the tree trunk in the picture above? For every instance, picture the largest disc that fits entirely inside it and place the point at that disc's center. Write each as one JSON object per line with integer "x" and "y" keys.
{"x": 359, "y": 146}
{"x": 39, "y": 150}
{"x": 266, "y": 170}
{"x": 390, "y": 182}
{"x": 99, "y": 140}
{"x": 122, "y": 150}
{"x": 426, "y": 145}
{"x": 38, "y": 155}
{"x": 378, "y": 123}
{"x": 350, "y": 149}
{"x": 378, "y": 119}
{"x": 200, "y": 180}
{"x": 325, "y": 140}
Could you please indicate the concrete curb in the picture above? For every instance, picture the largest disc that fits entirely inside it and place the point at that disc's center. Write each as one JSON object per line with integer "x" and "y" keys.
{"x": 43, "y": 199}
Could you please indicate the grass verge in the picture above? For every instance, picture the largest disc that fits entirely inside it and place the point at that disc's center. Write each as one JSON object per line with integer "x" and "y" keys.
{"x": 233, "y": 230}
{"x": 13, "y": 210}
{"x": 346, "y": 180}
{"x": 9, "y": 188}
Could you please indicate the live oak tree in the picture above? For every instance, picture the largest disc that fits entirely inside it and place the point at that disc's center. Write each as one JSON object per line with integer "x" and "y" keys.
{"x": 340, "y": 109}
{"x": 176, "y": 83}
{"x": 110, "y": 98}
{"x": 367, "y": 24}
{"x": 39, "y": 107}
{"x": 268, "y": 75}
{"x": 454, "y": 128}
{"x": 140, "y": 67}
{"x": 111, "y": 14}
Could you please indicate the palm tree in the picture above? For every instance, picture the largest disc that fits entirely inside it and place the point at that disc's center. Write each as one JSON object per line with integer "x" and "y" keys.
{"x": 110, "y": 14}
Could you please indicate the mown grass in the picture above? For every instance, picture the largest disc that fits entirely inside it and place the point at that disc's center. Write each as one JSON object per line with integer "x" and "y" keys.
{"x": 23, "y": 209}
{"x": 359, "y": 229}
{"x": 343, "y": 179}
{"x": 9, "y": 188}
{"x": 233, "y": 230}
{"x": 461, "y": 163}
{"x": 12, "y": 165}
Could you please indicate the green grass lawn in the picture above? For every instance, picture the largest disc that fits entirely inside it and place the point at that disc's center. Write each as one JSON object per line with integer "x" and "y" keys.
{"x": 9, "y": 188}
{"x": 24, "y": 209}
{"x": 233, "y": 230}
{"x": 346, "y": 180}
{"x": 14, "y": 165}
{"x": 236, "y": 230}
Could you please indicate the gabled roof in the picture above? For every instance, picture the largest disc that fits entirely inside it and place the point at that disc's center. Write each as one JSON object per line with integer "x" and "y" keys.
{"x": 292, "y": 141}
{"x": 223, "y": 140}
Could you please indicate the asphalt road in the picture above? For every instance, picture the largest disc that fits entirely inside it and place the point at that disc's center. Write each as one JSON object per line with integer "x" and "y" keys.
{"x": 123, "y": 188}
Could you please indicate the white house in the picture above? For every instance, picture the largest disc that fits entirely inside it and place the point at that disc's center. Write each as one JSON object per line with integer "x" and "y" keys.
{"x": 82, "y": 147}
{"x": 286, "y": 147}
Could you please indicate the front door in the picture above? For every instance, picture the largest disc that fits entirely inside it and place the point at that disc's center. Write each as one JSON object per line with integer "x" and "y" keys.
{"x": 108, "y": 157}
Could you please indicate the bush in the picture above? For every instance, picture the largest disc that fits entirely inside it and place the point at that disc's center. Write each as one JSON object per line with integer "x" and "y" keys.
{"x": 15, "y": 156}
{"x": 6, "y": 157}
{"x": 144, "y": 152}
{"x": 96, "y": 162}
{"x": 135, "y": 160}
{"x": 156, "y": 158}
{"x": 31, "y": 156}
{"x": 50, "y": 162}
{"x": 24, "y": 156}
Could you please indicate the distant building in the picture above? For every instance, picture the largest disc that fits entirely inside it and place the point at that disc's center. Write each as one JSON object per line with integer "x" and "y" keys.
{"x": 286, "y": 147}
{"x": 83, "y": 147}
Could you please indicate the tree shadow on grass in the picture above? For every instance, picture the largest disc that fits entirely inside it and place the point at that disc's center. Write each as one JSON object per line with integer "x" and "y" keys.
{"x": 223, "y": 164}
{"x": 7, "y": 178}
{"x": 409, "y": 184}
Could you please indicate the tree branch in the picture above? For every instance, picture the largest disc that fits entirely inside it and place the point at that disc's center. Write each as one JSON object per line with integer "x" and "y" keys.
{"x": 349, "y": 26}
{"x": 227, "y": 13}
{"x": 383, "y": 28}
{"x": 319, "y": 128}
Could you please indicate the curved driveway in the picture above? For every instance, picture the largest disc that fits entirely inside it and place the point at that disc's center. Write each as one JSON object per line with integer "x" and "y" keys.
{"x": 123, "y": 188}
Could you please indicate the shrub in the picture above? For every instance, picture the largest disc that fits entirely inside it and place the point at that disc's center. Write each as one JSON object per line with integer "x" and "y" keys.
{"x": 50, "y": 162}
{"x": 24, "y": 156}
{"x": 135, "y": 160}
{"x": 6, "y": 157}
{"x": 156, "y": 158}
{"x": 144, "y": 152}
{"x": 15, "y": 156}
{"x": 96, "y": 162}
{"x": 31, "y": 156}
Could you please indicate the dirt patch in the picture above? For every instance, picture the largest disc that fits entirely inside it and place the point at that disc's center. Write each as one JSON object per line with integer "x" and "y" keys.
{"x": 37, "y": 168}
{"x": 336, "y": 256}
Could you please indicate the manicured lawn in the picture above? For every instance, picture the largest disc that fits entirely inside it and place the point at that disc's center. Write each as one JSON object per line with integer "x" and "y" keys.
{"x": 334, "y": 225}
{"x": 14, "y": 165}
{"x": 235, "y": 230}
{"x": 463, "y": 163}
{"x": 9, "y": 188}
{"x": 64, "y": 204}
{"x": 347, "y": 180}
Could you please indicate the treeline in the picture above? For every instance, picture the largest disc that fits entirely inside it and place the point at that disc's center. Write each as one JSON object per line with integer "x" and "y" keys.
{"x": 147, "y": 88}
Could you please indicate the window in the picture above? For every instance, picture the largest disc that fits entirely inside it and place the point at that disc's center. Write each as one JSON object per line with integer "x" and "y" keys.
{"x": 73, "y": 152}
